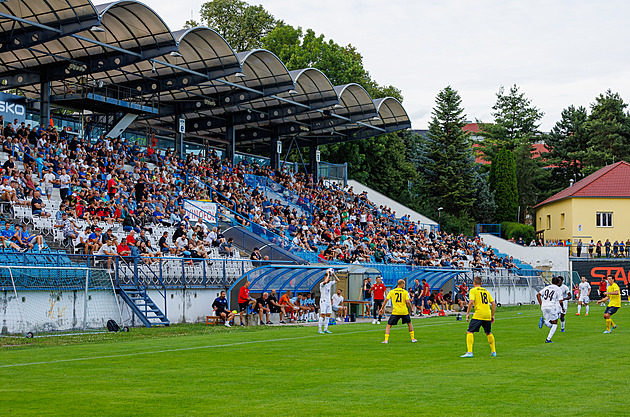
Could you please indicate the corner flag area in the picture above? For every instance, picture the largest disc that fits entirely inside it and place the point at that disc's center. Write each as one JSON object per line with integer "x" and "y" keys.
{"x": 199, "y": 370}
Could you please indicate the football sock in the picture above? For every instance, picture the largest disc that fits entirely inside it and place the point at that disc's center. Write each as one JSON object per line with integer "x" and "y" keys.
{"x": 587, "y": 309}
{"x": 612, "y": 323}
{"x": 411, "y": 334}
{"x": 580, "y": 308}
{"x": 321, "y": 321}
{"x": 552, "y": 331}
{"x": 386, "y": 336}
{"x": 608, "y": 324}
{"x": 470, "y": 338}
{"x": 491, "y": 341}
{"x": 326, "y": 321}
{"x": 548, "y": 323}
{"x": 562, "y": 323}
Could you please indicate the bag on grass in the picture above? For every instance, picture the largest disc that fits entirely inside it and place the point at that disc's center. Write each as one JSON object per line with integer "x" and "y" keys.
{"x": 112, "y": 326}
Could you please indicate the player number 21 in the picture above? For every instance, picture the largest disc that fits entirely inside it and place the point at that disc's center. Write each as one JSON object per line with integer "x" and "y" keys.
{"x": 398, "y": 297}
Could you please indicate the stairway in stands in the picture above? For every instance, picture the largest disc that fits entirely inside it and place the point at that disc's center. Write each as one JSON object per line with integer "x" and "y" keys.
{"x": 142, "y": 305}
{"x": 133, "y": 287}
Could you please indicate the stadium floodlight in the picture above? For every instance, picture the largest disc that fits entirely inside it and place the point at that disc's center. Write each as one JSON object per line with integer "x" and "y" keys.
{"x": 294, "y": 92}
{"x": 240, "y": 75}
{"x": 176, "y": 54}
{"x": 98, "y": 29}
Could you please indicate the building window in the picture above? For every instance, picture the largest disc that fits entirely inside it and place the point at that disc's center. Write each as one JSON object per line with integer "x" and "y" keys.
{"x": 604, "y": 219}
{"x": 548, "y": 221}
{"x": 561, "y": 220}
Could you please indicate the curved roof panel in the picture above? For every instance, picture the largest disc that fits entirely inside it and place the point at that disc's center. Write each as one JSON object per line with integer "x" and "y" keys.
{"x": 53, "y": 13}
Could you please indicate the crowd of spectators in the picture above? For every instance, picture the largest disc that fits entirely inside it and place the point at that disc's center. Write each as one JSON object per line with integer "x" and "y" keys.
{"x": 112, "y": 182}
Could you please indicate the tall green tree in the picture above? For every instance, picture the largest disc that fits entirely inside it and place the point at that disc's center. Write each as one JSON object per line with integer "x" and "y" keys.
{"x": 242, "y": 25}
{"x": 516, "y": 128}
{"x": 567, "y": 145}
{"x": 450, "y": 167}
{"x": 503, "y": 181}
{"x": 608, "y": 128}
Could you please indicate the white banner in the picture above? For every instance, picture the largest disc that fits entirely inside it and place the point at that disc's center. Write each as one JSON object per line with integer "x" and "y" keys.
{"x": 201, "y": 210}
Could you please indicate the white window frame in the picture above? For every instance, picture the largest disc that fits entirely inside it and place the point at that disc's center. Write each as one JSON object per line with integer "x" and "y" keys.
{"x": 600, "y": 216}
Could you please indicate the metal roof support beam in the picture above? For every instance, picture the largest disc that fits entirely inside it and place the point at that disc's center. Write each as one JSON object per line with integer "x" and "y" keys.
{"x": 273, "y": 150}
{"x": 230, "y": 137}
{"x": 312, "y": 156}
{"x": 38, "y": 34}
{"x": 84, "y": 66}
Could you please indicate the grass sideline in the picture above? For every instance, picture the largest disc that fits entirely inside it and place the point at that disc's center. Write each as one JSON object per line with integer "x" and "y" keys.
{"x": 199, "y": 370}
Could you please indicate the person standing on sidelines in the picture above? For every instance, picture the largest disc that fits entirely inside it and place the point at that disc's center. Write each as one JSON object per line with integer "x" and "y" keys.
{"x": 244, "y": 300}
{"x": 565, "y": 296}
{"x": 401, "y": 307}
{"x": 483, "y": 317}
{"x": 613, "y": 293}
{"x": 551, "y": 306}
{"x": 585, "y": 295}
{"x": 378, "y": 297}
{"x": 325, "y": 303}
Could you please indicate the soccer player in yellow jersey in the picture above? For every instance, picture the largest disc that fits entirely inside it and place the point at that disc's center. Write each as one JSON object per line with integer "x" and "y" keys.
{"x": 485, "y": 307}
{"x": 401, "y": 306}
{"x": 613, "y": 293}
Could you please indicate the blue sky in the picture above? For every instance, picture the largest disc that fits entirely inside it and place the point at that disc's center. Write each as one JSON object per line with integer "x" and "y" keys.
{"x": 558, "y": 52}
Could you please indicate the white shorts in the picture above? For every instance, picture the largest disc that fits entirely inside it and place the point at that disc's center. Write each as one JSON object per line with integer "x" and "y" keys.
{"x": 584, "y": 299}
{"x": 551, "y": 314}
{"x": 325, "y": 308}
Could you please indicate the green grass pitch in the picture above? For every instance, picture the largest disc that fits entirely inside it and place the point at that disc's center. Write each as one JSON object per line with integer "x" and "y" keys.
{"x": 197, "y": 370}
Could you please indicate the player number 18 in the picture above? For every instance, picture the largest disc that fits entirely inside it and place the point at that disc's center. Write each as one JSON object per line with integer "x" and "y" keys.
{"x": 484, "y": 298}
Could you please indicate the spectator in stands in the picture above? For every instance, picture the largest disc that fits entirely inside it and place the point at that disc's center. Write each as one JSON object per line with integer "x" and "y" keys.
{"x": 108, "y": 248}
{"x": 165, "y": 248}
{"x": 607, "y": 247}
{"x": 64, "y": 184}
{"x": 262, "y": 308}
{"x": 226, "y": 248}
{"x": 37, "y": 206}
{"x": 82, "y": 238}
{"x": 220, "y": 307}
{"x": 337, "y": 305}
{"x": 7, "y": 193}
{"x": 244, "y": 300}
{"x": 6, "y": 237}
{"x": 68, "y": 227}
{"x": 124, "y": 251}
{"x": 256, "y": 257}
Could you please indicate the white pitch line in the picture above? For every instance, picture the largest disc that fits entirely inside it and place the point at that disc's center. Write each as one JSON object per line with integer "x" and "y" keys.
{"x": 122, "y": 355}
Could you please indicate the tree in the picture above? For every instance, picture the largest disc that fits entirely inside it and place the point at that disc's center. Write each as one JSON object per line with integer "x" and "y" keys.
{"x": 608, "y": 128}
{"x": 485, "y": 207}
{"x": 503, "y": 181}
{"x": 242, "y": 25}
{"x": 515, "y": 128}
{"x": 567, "y": 145}
{"x": 449, "y": 172}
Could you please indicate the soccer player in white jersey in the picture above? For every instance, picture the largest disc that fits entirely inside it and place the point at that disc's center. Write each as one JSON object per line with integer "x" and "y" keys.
{"x": 585, "y": 295}
{"x": 565, "y": 296}
{"x": 551, "y": 306}
{"x": 325, "y": 304}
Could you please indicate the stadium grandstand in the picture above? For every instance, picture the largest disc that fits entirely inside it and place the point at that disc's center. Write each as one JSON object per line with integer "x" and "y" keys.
{"x": 123, "y": 152}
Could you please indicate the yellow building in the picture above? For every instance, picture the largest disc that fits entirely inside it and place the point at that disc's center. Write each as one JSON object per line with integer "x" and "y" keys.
{"x": 597, "y": 208}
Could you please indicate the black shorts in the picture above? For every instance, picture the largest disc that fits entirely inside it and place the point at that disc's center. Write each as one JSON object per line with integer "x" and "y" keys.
{"x": 218, "y": 313}
{"x": 417, "y": 301}
{"x": 393, "y": 320}
{"x": 476, "y": 324}
{"x": 611, "y": 310}
{"x": 243, "y": 306}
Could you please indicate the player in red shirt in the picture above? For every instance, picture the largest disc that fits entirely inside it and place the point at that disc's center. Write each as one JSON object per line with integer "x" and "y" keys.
{"x": 244, "y": 300}
{"x": 378, "y": 296}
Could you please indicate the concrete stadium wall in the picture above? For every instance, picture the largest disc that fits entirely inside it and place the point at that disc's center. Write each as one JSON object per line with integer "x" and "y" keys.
{"x": 381, "y": 200}
{"x": 540, "y": 257}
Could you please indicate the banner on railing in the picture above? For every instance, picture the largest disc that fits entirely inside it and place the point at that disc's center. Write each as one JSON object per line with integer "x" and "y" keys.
{"x": 201, "y": 210}
{"x": 596, "y": 269}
